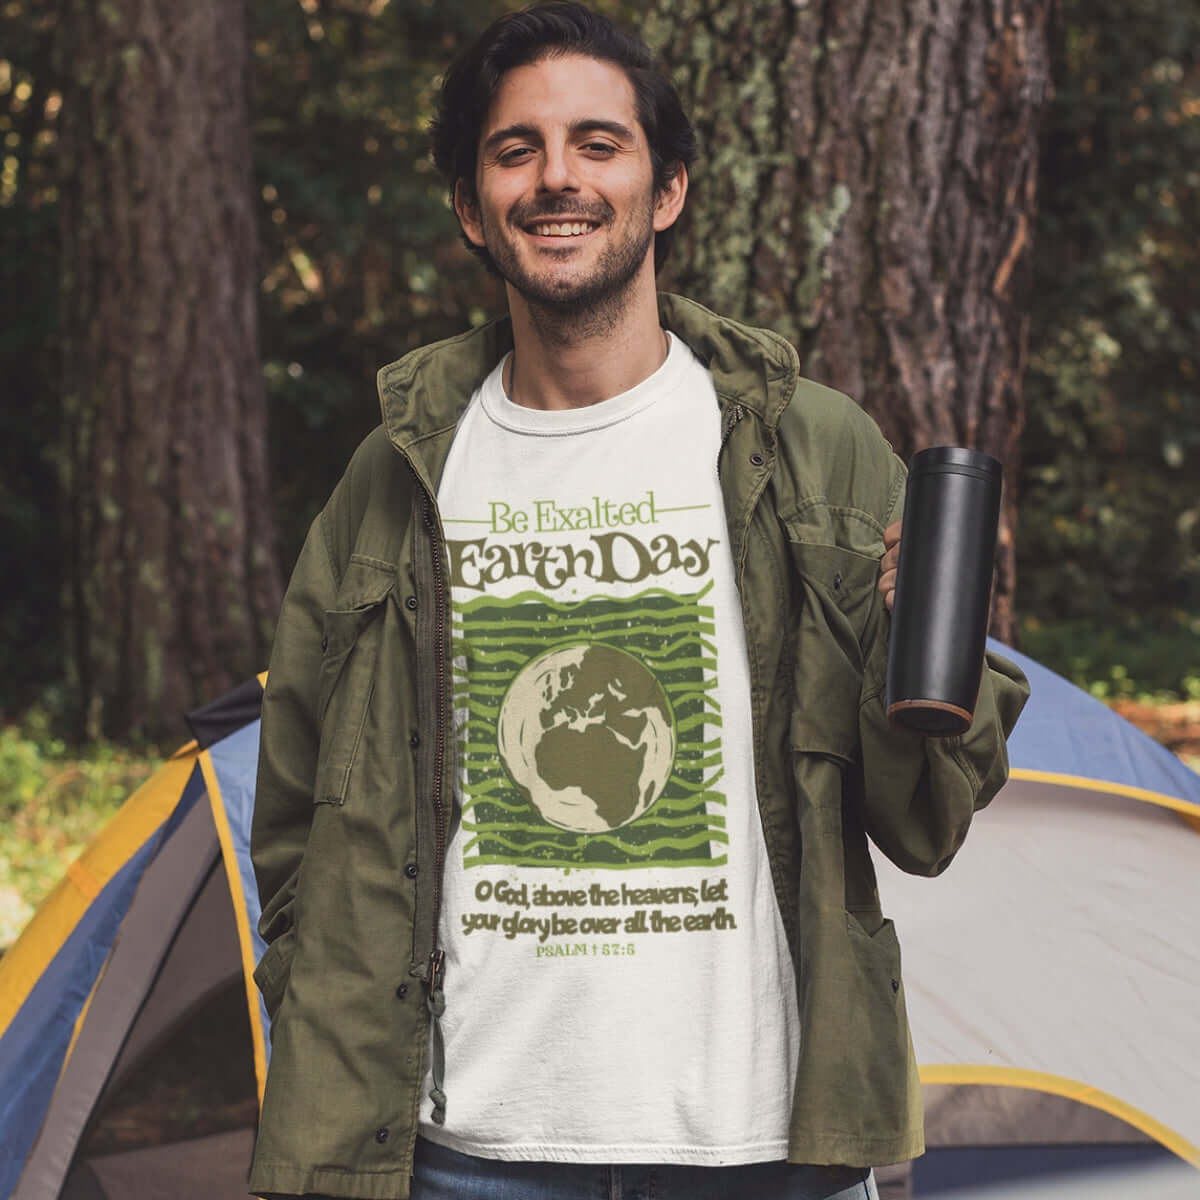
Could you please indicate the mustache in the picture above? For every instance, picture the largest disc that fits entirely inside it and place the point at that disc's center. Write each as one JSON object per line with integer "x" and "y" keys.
{"x": 559, "y": 208}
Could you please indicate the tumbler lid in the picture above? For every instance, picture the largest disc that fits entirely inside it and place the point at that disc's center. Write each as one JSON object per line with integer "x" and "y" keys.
{"x": 955, "y": 459}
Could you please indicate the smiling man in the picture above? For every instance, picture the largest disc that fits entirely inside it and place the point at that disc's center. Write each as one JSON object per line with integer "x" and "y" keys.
{"x": 564, "y": 197}
{"x": 574, "y": 735}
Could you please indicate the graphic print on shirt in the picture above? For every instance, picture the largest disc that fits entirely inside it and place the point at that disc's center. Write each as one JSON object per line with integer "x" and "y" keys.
{"x": 591, "y": 736}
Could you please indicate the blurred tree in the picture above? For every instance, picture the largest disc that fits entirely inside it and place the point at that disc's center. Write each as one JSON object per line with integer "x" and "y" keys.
{"x": 30, "y": 646}
{"x": 868, "y": 188}
{"x": 172, "y": 585}
{"x": 1110, "y": 532}
{"x": 361, "y": 255}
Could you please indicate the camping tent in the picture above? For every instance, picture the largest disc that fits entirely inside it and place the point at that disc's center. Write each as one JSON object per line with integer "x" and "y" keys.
{"x": 1056, "y": 961}
{"x": 132, "y": 1038}
{"x": 1050, "y": 980}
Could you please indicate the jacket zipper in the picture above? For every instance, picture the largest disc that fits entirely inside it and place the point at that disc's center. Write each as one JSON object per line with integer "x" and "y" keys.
{"x": 437, "y": 956}
{"x": 735, "y": 413}
{"x": 439, "y": 812}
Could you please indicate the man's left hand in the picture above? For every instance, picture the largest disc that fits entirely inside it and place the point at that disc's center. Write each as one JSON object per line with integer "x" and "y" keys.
{"x": 889, "y": 563}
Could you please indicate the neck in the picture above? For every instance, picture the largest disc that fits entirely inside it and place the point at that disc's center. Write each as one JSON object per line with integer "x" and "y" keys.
{"x": 571, "y": 360}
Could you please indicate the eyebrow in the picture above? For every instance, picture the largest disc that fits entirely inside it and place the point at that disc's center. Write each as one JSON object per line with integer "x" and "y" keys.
{"x": 532, "y": 133}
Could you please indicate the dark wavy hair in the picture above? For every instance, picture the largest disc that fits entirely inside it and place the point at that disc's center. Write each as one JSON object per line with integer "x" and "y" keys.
{"x": 545, "y": 30}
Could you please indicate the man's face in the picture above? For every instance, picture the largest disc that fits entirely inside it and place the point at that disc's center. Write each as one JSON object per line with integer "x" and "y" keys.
{"x": 565, "y": 200}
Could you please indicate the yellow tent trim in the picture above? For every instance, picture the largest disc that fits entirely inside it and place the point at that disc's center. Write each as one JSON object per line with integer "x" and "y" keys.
{"x": 1072, "y": 1089}
{"x": 55, "y": 920}
{"x": 245, "y": 942}
{"x": 1118, "y": 789}
{"x": 84, "y": 880}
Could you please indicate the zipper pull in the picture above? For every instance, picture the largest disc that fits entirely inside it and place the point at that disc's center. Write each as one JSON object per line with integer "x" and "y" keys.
{"x": 437, "y": 1051}
{"x": 733, "y": 415}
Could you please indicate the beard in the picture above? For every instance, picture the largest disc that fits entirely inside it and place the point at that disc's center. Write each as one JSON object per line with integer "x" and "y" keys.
{"x": 560, "y": 305}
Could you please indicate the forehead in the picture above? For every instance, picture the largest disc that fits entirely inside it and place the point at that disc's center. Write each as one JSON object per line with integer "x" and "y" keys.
{"x": 562, "y": 91}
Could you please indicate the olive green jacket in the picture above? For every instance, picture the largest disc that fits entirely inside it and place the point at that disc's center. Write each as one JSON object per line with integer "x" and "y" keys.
{"x": 356, "y": 775}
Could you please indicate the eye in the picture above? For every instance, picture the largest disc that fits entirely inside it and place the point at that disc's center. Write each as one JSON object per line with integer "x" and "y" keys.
{"x": 514, "y": 155}
{"x": 600, "y": 149}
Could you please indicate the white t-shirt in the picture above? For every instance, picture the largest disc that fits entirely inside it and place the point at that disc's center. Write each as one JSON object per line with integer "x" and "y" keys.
{"x": 618, "y": 983}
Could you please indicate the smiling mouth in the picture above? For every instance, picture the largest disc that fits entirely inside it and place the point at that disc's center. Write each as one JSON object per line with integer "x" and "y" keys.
{"x": 563, "y": 229}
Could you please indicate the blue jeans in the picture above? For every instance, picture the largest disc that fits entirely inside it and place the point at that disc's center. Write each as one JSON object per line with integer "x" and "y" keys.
{"x": 441, "y": 1174}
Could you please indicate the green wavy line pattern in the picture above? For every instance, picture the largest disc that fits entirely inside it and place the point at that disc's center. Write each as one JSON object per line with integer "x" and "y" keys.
{"x": 493, "y": 639}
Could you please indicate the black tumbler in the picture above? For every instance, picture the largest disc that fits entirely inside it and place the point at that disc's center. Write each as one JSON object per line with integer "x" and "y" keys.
{"x": 943, "y": 589}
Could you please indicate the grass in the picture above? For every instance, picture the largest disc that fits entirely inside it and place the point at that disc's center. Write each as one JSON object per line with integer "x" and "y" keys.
{"x": 53, "y": 799}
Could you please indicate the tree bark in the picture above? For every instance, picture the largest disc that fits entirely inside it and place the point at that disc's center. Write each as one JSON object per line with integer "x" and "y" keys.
{"x": 173, "y": 581}
{"x": 867, "y": 188}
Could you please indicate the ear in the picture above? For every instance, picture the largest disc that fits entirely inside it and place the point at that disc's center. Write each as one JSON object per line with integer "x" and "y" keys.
{"x": 467, "y": 209}
{"x": 669, "y": 202}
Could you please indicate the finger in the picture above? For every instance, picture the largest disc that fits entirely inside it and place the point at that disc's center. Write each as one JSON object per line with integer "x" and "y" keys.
{"x": 891, "y": 535}
{"x": 889, "y": 598}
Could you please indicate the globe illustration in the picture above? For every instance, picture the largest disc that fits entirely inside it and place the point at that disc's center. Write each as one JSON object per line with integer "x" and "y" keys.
{"x": 587, "y": 731}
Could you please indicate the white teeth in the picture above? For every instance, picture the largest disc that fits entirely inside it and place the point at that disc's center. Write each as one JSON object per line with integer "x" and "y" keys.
{"x": 560, "y": 229}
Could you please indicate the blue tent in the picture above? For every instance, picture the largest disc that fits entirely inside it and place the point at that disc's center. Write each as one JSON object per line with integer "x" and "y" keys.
{"x": 152, "y": 930}
{"x": 1067, "y": 737}
{"x": 1052, "y": 972}
{"x": 142, "y": 957}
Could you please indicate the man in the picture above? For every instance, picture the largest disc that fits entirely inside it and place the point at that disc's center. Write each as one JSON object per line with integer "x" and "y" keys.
{"x": 574, "y": 733}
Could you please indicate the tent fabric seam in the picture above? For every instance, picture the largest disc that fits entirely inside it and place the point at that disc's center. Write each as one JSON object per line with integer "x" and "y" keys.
{"x": 1162, "y": 799}
{"x": 1060, "y": 1085}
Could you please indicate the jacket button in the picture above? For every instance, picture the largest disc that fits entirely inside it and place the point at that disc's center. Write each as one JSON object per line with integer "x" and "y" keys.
{"x": 757, "y": 459}
{"x": 411, "y": 603}
{"x": 381, "y": 1136}
{"x": 414, "y": 740}
{"x": 411, "y": 870}
{"x": 324, "y": 644}
{"x": 895, "y": 985}
{"x": 402, "y": 991}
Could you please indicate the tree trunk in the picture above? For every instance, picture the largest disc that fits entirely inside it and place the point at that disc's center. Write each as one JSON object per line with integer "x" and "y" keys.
{"x": 867, "y": 189}
{"x": 173, "y": 584}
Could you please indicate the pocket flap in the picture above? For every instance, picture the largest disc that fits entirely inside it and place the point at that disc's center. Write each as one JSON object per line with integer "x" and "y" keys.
{"x": 271, "y": 973}
{"x": 365, "y": 586}
{"x": 365, "y": 582}
{"x": 845, "y": 574}
{"x": 822, "y": 729}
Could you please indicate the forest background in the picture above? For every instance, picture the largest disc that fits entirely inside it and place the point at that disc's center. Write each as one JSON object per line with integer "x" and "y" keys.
{"x": 1086, "y": 121}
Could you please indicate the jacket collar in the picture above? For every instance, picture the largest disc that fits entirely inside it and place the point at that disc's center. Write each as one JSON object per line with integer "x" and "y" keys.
{"x": 754, "y": 368}
{"x": 423, "y": 395}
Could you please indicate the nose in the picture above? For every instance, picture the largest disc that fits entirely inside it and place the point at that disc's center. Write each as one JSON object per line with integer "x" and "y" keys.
{"x": 558, "y": 172}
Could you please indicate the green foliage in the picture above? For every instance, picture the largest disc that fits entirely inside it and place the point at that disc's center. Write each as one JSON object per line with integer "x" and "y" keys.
{"x": 362, "y": 257}
{"x": 52, "y": 801}
{"x": 1136, "y": 660}
{"x": 1109, "y": 503}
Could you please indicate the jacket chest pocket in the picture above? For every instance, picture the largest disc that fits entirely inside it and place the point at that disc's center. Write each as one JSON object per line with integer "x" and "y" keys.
{"x": 350, "y": 641}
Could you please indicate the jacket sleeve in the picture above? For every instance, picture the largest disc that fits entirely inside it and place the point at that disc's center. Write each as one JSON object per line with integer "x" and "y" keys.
{"x": 919, "y": 794}
{"x": 287, "y": 761}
